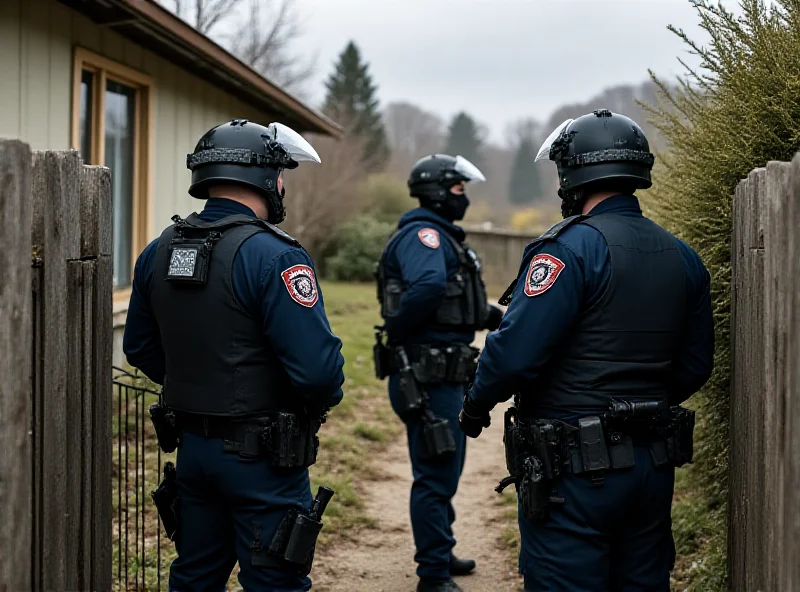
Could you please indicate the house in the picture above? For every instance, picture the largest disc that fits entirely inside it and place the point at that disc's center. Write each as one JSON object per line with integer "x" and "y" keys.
{"x": 132, "y": 87}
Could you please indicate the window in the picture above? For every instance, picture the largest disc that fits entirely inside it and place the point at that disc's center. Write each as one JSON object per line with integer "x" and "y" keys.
{"x": 111, "y": 127}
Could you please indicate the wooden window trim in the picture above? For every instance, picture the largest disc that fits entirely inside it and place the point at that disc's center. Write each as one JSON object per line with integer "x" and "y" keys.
{"x": 143, "y": 194}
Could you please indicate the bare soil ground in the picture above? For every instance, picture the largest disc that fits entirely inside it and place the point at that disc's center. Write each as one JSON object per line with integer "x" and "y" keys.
{"x": 382, "y": 559}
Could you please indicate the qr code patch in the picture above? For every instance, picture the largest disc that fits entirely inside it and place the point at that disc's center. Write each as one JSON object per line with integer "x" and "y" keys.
{"x": 182, "y": 263}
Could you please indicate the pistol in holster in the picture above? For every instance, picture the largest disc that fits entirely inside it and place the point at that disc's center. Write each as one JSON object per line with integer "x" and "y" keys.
{"x": 293, "y": 545}
{"x": 381, "y": 355}
{"x": 167, "y": 500}
{"x": 166, "y": 426}
{"x": 411, "y": 400}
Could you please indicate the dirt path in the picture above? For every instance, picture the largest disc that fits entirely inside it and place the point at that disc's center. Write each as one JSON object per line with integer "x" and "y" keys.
{"x": 383, "y": 560}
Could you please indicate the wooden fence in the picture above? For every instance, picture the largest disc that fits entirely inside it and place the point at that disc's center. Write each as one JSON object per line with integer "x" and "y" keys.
{"x": 764, "y": 498}
{"x": 55, "y": 387}
{"x": 500, "y": 252}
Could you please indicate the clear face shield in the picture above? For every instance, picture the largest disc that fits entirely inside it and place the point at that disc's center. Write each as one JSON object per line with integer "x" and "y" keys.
{"x": 468, "y": 170}
{"x": 294, "y": 144}
{"x": 544, "y": 151}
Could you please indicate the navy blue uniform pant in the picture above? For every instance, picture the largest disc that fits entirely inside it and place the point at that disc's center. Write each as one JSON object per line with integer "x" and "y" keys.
{"x": 225, "y": 502}
{"x": 435, "y": 482}
{"x": 615, "y": 538}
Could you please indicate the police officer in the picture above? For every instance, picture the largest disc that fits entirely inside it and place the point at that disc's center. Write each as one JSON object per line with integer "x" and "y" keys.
{"x": 608, "y": 330}
{"x": 225, "y": 311}
{"x": 432, "y": 302}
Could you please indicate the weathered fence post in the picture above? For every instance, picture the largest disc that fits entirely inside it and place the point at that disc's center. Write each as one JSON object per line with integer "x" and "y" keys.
{"x": 764, "y": 485}
{"x": 789, "y": 278}
{"x": 15, "y": 362}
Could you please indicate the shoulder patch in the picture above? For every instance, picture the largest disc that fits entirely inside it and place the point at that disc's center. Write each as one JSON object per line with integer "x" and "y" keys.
{"x": 301, "y": 285}
{"x": 542, "y": 274}
{"x": 429, "y": 237}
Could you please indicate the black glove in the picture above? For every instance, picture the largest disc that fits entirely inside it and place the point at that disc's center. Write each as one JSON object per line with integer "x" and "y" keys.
{"x": 493, "y": 318}
{"x": 471, "y": 420}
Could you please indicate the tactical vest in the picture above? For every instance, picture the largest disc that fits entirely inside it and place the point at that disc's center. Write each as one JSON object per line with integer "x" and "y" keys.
{"x": 464, "y": 307}
{"x": 218, "y": 361}
{"x": 624, "y": 345}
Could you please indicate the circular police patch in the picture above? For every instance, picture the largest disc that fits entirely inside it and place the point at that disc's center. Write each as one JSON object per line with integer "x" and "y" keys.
{"x": 542, "y": 274}
{"x": 429, "y": 237}
{"x": 301, "y": 285}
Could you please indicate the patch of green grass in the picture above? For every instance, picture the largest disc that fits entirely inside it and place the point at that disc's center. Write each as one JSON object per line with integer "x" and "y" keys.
{"x": 370, "y": 432}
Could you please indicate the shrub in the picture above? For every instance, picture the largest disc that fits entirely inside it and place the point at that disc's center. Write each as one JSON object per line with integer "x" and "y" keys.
{"x": 735, "y": 113}
{"x": 358, "y": 248}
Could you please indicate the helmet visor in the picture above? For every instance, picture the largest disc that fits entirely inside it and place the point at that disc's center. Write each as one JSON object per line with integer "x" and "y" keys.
{"x": 468, "y": 170}
{"x": 294, "y": 144}
{"x": 544, "y": 151}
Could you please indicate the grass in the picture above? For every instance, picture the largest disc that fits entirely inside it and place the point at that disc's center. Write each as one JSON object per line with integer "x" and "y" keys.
{"x": 359, "y": 427}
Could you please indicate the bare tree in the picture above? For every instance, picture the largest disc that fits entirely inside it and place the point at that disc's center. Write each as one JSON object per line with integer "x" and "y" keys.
{"x": 412, "y": 133}
{"x": 264, "y": 38}
{"x": 204, "y": 15}
{"x": 523, "y": 129}
{"x": 261, "y": 35}
{"x": 319, "y": 198}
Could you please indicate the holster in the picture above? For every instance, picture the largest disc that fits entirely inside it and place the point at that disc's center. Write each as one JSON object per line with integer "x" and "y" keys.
{"x": 381, "y": 356}
{"x": 680, "y": 442}
{"x": 166, "y": 500}
{"x": 535, "y": 491}
{"x": 440, "y": 441}
{"x": 166, "y": 426}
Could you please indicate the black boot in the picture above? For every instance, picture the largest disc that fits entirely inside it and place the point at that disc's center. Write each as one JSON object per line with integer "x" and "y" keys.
{"x": 438, "y": 586}
{"x": 461, "y": 567}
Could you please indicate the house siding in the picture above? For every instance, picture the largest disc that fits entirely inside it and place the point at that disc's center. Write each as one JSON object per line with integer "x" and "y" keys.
{"x": 37, "y": 38}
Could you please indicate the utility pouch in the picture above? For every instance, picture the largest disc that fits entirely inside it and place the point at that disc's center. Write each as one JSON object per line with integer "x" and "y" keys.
{"x": 534, "y": 490}
{"x": 680, "y": 443}
{"x": 165, "y": 498}
{"x": 166, "y": 426}
{"x": 411, "y": 397}
{"x": 431, "y": 367}
{"x": 291, "y": 442}
{"x": 381, "y": 355}
{"x": 391, "y": 297}
{"x": 594, "y": 453}
{"x": 620, "y": 450}
{"x": 461, "y": 367}
{"x": 440, "y": 441}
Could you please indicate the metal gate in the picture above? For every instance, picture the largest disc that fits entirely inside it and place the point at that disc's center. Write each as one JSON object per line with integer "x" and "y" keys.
{"x": 141, "y": 555}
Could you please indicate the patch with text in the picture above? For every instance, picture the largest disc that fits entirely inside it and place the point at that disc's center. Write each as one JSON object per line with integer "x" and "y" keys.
{"x": 542, "y": 274}
{"x": 301, "y": 285}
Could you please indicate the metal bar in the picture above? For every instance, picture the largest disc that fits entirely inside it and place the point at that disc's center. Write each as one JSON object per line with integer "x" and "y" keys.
{"x": 119, "y": 482}
{"x": 125, "y": 468}
{"x": 142, "y": 509}
{"x": 136, "y": 485}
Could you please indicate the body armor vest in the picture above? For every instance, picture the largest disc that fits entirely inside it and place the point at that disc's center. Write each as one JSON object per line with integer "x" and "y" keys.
{"x": 218, "y": 361}
{"x": 625, "y": 344}
{"x": 464, "y": 307}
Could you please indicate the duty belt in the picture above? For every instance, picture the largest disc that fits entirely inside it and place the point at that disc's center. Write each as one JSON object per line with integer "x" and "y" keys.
{"x": 440, "y": 363}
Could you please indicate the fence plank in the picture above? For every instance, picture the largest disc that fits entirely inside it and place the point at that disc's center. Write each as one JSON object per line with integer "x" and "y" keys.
{"x": 96, "y": 227}
{"x": 15, "y": 337}
{"x": 747, "y": 428}
{"x": 56, "y": 177}
{"x": 774, "y": 359}
{"x": 790, "y": 564}
{"x": 87, "y": 440}
{"x": 101, "y": 424}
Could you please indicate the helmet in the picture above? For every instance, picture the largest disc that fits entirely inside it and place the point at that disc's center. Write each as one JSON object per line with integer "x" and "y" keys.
{"x": 249, "y": 154}
{"x": 600, "y": 146}
{"x": 432, "y": 177}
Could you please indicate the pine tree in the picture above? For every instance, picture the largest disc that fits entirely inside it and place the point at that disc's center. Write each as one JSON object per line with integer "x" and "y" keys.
{"x": 351, "y": 101}
{"x": 524, "y": 185}
{"x": 462, "y": 139}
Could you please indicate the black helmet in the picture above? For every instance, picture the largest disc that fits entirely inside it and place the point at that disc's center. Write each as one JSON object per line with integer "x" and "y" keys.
{"x": 432, "y": 177}
{"x": 250, "y": 154}
{"x": 600, "y": 146}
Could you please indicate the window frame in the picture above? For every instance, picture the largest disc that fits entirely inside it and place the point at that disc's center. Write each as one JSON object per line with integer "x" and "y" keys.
{"x": 105, "y": 69}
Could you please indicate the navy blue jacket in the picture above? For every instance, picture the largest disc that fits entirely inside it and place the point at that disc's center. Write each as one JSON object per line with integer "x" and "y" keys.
{"x": 533, "y": 328}
{"x": 424, "y": 271}
{"x": 301, "y": 337}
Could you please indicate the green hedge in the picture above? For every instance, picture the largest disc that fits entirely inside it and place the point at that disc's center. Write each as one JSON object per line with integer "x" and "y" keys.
{"x": 358, "y": 248}
{"x": 740, "y": 109}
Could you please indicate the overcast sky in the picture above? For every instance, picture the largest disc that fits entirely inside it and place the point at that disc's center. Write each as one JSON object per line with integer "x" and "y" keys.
{"x": 499, "y": 59}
